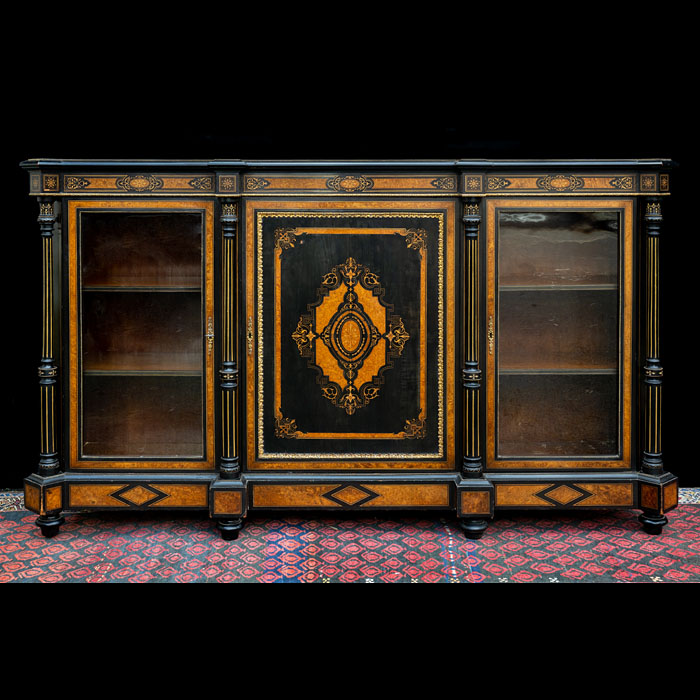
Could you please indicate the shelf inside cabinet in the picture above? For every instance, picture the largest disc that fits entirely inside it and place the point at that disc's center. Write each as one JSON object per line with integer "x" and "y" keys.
{"x": 558, "y": 415}
{"x": 140, "y": 288}
{"x": 557, "y": 287}
{"x": 557, "y": 370}
{"x": 141, "y": 373}
{"x": 558, "y": 247}
{"x": 568, "y": 329}
{"x": 142, "y": 416}
{"x": 142, "y": 331}
{"x": 141, "y": 249}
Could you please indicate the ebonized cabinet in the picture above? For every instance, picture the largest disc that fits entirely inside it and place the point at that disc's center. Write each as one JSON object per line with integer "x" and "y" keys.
{"x": 363, "y": 335}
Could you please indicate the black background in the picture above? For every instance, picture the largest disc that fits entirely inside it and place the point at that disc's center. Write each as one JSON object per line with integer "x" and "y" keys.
{"x": 404, "y": 114}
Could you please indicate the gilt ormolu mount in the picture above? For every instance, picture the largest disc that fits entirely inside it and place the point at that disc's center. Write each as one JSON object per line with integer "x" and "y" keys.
{"x": 449, "y": 335}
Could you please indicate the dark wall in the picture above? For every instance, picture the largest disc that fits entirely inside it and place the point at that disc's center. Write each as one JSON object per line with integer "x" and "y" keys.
{"x": 331, "y": 130}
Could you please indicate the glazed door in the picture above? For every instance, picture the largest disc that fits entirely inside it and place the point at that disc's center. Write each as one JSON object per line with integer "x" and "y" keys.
{"x": 350, "y": 316}
{"x": 141, "y": 334}
{"x": 559, "y": 335}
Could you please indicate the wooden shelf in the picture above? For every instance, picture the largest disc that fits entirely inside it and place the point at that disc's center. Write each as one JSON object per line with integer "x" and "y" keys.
{"x": 557, "y": 287}
{"x": 142, "y": 415}
{"x": 558, "y": 370}
{"x": 141, "y": 373}
{"x": 140, "y": 288}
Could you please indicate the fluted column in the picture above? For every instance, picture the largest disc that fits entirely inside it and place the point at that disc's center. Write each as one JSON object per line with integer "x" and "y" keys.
{"x": 48, "y": 370}
{"x": 652, "y": 462}
{"x": 229, "y": 465}
{"x": 472, "y": 466}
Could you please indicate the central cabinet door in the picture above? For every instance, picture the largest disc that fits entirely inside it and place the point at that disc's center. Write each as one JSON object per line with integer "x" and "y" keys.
{"x": 350, "y": 316}
{"x": 141, "y": 334}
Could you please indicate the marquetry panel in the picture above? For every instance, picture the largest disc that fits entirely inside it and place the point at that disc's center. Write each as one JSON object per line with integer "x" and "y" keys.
{"x": 649, "y": 496}
{"x": 658, "y": 498}
{"x": 227, "y": 503}
{"x": 344, "y": 183}
{"x": 350, "y": 315}
{"x": 145, "y": 183}
{"x": 475, "y": 503}
{"x": 563, "y": 495}
{"x": 32, "y": 498}
{"x": 354, "y": 495}
{"x": 53, "y": 498}
{"x": 138, "y": 495}
{"x": 543, "y": 183}
{"x": 670, "y": 496}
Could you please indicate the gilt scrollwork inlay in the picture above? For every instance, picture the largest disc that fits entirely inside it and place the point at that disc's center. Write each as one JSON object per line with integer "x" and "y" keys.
{"x": 202, "y": 183}
{"x": 285, "y": 238}
{"x": 256, "y": 183}
{"x": 73, "y": 182}
{"x": 350, "y": 183}
{"x": 497, "y": 183}
{"x": 414, "y": 429}
{"x": 560, "y": 183}
{"x": 625, "y": 182}
{"x": 444, "y": 183}
{"x": 139, "y": 183}
{"x": 415, "y": 238}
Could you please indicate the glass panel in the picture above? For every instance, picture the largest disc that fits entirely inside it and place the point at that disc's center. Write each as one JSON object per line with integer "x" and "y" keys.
{"x": 143, "y": 249}
{"x": 142, "y": 344}
{"x": 142, "y": 416}
{"x": 557, "y": 332}
{"x": 557, "y": 415}
{"x": 556, "y": 247}
{"x": 141, "y": 331}
{"x": 562, "y": 329}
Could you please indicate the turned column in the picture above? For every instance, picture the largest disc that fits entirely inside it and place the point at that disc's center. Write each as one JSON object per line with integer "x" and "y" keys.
{"x": 652, "y": 461}
{"x": 228, "y": 496}
{"x": 474, "y": 492}
{"x": 48, "y": 370}
{"x": 229, "y": 465}
{"x": 38, "y": 498}
{"x": 472, "y": 466}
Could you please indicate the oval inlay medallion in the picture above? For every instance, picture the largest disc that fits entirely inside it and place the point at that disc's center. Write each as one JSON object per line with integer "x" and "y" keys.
{"x": 350, "y": 335}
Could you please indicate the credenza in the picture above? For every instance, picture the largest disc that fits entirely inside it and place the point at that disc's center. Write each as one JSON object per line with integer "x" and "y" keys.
{"x": 464, "y": 336}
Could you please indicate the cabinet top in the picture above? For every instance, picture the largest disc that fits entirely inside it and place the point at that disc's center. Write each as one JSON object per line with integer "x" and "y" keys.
{"x": 477, "y": 163}
{"x": 434, "y": 178}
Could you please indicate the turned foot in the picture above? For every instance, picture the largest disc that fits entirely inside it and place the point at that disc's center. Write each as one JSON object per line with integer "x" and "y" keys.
{"x": 473, "y": 528}
{"x": 653, "y": 524}
{"x": 50, "y": 523}
{"x": 230, "y": 528}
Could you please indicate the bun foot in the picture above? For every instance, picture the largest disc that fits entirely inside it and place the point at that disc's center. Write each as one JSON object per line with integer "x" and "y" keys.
{"x": 473, "y": 528}
{"x": 653, "y": 524}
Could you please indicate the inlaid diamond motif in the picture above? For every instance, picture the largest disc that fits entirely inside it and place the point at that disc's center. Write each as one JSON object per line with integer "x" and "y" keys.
{"x": 350, "y": 495}
{"x": 564, "y": 494}
{"x": 139, "y": 495}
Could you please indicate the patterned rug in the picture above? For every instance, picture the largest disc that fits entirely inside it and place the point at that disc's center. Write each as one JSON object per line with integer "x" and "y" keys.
{"x": 593, "y": 546}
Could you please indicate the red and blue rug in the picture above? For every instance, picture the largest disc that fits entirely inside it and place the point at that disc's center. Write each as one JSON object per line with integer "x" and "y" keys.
{"x": 526, "y": 547}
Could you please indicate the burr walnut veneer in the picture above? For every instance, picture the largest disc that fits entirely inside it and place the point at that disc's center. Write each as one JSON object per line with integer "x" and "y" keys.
{"x": 454, "y": 335}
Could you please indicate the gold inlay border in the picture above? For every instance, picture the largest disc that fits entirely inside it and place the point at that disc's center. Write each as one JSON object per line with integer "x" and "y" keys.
{"x": 446, "y": 271}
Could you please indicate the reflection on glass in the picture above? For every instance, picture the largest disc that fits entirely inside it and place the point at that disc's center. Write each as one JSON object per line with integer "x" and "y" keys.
{"x": 557, "y": 334}
{"x": 141, "y": 333}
